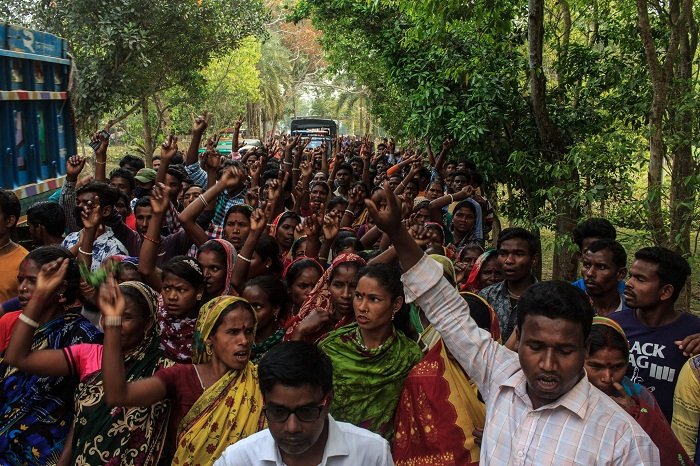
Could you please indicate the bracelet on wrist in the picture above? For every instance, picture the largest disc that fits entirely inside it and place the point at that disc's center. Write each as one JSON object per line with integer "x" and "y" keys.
{"x": 28, "y": 320}
{"x": 244, "y": 259}
{"x": 147, "y": 238}
{"x": 80, "y": 250}
{"x": 204, "y": 201}
{"x": 113, "y": 321}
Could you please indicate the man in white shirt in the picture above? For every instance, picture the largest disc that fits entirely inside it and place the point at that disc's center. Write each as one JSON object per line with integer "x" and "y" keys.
{"x": 296, "y": 380}
{"x": 540, "y": 407}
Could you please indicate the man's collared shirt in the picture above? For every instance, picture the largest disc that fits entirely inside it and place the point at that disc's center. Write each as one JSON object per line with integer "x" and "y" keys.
{"x": 582, "y": 427}
{"x": 106, "y": 245}
{"x": 347, "y": 445}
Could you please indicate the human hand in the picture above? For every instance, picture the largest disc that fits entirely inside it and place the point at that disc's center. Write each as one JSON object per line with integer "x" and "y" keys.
{"x": 460, "y": 271}
{"x": 331, "y": 226}
{"x": 211, "y": 161}
{"x": 258, "y": 221}
{"x": 91, "y": 215}
{"x": 169, "y": 148}
{"x": 110, "y": 299}
{"x": 448, "y": 143}
{"x": 311, "y": 226}
{"x": 420, "y": 234}
{"x": 233, "y": 177}
{"x": 252, "y": 198}
{"x": 623, "y": 399}
{"x": 313, "y": 321}
{"x": 200, "y": 123}
{"x": 355, "y": 197}
{"x": 238, "y": 123}
{"x": 160, "y": 198}
{"x": 101, "y": 137}
{"x": 389, "y": 218}
{"x": 307, "y": 169}
{"x": 690, "y": 345}
{"x": 50, "y": 277}
{"x": 478, "y": 434}
{"x": 74, "y": 165}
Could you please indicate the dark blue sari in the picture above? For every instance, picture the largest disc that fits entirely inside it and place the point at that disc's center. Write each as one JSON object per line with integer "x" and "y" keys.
{"x": 36, "y": 412}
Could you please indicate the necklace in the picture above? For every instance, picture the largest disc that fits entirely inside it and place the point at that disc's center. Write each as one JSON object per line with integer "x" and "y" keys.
{"x": 9, "y": 242}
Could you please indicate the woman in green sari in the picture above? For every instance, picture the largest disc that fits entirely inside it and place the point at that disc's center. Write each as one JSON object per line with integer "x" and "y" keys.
{"x": 372, "y": 357}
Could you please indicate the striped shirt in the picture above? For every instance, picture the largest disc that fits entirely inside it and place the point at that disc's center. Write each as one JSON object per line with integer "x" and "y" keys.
{"x": 582, "y": 427}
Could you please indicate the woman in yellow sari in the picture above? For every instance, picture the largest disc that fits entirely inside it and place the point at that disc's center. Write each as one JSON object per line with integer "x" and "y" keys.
{"x": 216, "y": 400}
{"x": 440, "y": 406}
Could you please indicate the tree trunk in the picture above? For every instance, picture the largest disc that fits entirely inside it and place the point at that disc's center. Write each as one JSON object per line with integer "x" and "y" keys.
{"x": 661, "y": 76}
{"x": 148, "y": 146}
{"x": 564, "y": 263}
{"x": 683, "y": 195}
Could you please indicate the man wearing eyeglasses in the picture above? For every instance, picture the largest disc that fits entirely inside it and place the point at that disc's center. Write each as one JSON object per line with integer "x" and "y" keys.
{"x": 296, "y": 380}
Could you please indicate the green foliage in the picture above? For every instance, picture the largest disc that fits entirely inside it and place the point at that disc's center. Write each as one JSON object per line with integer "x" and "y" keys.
{"x": 434, "y": 67}
{"x": 128, "y": 49}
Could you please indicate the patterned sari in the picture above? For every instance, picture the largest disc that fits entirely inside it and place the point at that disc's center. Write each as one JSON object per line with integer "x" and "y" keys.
{"x": 228, "y": 411}
{"x": 439, "y": 408}
{"x": 36, "y": 412}
{"x": 122, "y": 436}
{"x": 320, "y": 299}
{"x": 367, "y": 382}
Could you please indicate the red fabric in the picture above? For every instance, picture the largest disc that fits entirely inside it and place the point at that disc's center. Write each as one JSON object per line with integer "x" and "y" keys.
{"x": 654, "y": 423}
{"x": 320, "y": 299}
{"x": 7, "y": 323}
{"x": 184, "y": 388}
{"x": 131, "y": 221}
{"x": 427, "y": 430}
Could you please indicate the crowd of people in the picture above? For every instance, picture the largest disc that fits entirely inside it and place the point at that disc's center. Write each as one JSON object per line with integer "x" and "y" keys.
{"x": 336, "y": 306}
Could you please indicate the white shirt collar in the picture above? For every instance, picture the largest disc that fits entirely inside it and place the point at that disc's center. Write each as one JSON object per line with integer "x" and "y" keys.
{"x": 335, "y": 446}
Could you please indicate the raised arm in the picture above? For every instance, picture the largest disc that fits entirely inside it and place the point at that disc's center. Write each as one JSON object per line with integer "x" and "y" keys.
{"x": 429, "y": 150}
{"x": 239, "y": 274}
{"x": 19, "y": 352}
{"x": 447, "y": 146}
{"x": 478, "y": 354}
{"x": 447, "y": 199}
{"x": 415, "y": 168}
{"x": 167, "y": 151}
{"x": 118, "y": 392}
{"x": 74, "y": 165}
{"x": 365, "y": 155}
{"x": 236, "y": 131}
{"x": 160, "y": 201}
{"x": 188, "y": 217}
{"x": 199, "y": 125}
{"x": 101, "y": 154}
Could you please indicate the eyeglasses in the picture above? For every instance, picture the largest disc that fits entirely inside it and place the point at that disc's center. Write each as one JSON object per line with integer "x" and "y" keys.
{"x": 308, "y": 413}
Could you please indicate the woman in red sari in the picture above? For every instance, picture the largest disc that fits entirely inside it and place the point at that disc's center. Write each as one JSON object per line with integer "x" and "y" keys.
{"x": 440, "y": 406}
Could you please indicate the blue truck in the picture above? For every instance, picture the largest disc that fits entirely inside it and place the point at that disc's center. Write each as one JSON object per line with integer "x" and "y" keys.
{"x": 37, "y": 130}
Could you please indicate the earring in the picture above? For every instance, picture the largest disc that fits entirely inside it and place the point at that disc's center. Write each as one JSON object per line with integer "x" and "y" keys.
{"x": 199, "y": 297}
{"x": 209, "y": 350}
{"x": 61, "y": 298}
